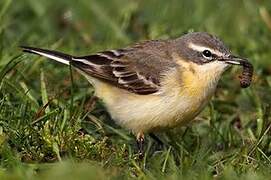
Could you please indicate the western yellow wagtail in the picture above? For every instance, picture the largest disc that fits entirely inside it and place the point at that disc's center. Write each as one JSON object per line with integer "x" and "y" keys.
{"x": 156, "y": 84}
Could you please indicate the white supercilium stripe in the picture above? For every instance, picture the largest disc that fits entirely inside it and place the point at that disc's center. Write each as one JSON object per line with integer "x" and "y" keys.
{"x": 202, "y": 48}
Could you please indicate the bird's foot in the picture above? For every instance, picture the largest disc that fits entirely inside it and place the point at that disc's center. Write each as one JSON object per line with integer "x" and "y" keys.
{"x": 140, "y": 144}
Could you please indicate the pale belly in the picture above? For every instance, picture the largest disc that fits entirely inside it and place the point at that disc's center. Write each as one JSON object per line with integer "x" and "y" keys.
{"x": 140, "y": 113}
{"x": 156, "y": 113}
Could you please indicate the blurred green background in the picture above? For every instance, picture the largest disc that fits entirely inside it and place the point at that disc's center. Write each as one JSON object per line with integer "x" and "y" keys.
{"x": 52, "y": 127}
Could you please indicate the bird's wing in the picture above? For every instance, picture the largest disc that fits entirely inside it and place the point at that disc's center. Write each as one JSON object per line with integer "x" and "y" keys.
{"x": 138, "y": 69}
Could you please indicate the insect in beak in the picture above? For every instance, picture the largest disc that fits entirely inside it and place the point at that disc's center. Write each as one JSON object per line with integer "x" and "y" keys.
{"x": 246, "y": 76}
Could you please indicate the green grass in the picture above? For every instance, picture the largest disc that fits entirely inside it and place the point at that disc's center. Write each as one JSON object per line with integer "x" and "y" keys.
{"x": 51, "y": 127}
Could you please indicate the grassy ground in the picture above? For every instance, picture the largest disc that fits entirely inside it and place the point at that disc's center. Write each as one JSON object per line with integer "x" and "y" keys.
{"x": 51, "y": 127}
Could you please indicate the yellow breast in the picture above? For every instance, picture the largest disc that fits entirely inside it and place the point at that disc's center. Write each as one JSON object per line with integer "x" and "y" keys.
{"x": 199, "y": 79}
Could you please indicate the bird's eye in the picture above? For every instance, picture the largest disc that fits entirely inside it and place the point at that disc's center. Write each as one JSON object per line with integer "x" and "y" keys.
{"x": 207, "y": 54}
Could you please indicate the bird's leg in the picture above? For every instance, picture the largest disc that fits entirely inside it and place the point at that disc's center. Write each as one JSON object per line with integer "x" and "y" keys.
{"x": 140, "y": 144}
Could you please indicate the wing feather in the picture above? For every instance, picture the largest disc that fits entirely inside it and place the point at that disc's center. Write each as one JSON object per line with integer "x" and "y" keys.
{"x": 137, "y": 69}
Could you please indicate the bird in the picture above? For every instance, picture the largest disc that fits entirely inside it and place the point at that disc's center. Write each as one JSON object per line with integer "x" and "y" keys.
{"x": 153, "y": 85}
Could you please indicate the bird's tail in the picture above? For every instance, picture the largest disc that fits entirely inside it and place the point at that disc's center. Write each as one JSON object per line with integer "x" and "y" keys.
{"x": 55, "y": 55}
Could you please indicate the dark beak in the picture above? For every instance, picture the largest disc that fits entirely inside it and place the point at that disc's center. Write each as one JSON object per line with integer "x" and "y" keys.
{"x": 246, "y": 77}
{"x": 235, "y": 60}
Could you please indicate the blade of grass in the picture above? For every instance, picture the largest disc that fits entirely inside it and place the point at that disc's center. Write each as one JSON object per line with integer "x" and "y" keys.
{"x": 21, "y": 93}
{"x": 56, "y": 150}
{"x": 64, "y": 120}
{"x": 260, "y": 140}
{"x": 44, "y": 116}
{"x": 104, "y": 17}
{"x": 44, "y": 95}
{"x": 264, "y": 155}
{"x": 28, "y": 93}
{"x": 3, "y": 11}
{"x": 98, "y": 122}
{"x": 166, "y": 159}
{"x": 72, "y": 89}
{"x": 265, "y": 17}
{"x": 9, "y": 66}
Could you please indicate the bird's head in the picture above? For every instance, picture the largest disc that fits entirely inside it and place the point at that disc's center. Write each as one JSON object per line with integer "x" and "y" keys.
{"x": 206, "y": 51}
{"x": 208, "y": 57}
{"x": 205, "y": 57}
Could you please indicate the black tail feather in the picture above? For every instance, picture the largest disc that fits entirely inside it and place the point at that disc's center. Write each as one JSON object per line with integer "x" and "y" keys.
{"x": 58, "y": 56}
